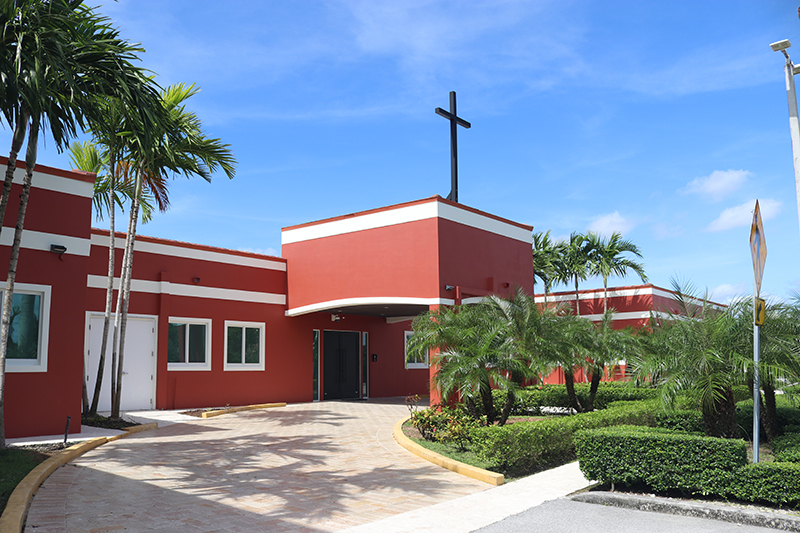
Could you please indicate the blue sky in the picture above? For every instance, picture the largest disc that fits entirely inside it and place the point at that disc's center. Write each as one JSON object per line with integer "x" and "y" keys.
{"x": 664, "y": 121}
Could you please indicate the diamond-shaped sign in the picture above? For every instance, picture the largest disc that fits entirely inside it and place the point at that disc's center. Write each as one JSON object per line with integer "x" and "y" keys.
{"x": 758, "y": 248}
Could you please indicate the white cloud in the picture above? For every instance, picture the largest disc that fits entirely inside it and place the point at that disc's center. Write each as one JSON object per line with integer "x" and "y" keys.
{"x": 742, "y": 215}
{"x": 608, "y": 224}
{"x": 725, "y": 293}
{"x": 718, "y": 184}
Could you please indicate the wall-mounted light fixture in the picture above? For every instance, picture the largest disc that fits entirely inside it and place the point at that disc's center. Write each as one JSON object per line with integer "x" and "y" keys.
{"x": 196, "y": 280}
{"x": 59, "y": 249}
{"x": 449, "y": 287}
{"x": 335, "y": 318}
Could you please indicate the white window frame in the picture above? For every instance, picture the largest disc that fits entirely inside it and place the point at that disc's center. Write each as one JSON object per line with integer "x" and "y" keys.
{"x": 262, "y": 328}
{"x": 28, "y": 365}
{"x": 407, "y": 335}
{"x": 191, "y": 366}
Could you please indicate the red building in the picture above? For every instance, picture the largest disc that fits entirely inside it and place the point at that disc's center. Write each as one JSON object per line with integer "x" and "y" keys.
{"x": 209, "y": 326}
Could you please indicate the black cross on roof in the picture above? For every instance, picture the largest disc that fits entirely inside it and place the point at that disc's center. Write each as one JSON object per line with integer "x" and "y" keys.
{"x": 455, "y": 121}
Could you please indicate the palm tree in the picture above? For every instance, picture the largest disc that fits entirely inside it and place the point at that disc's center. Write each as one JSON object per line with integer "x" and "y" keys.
{"x": 545, "y": 256}
{"x": 573, "y": 263}
{"x": 180, "y": 148}
{"x": 112, "y": 187}
{"x": 608, "y": 259}
{"x": 703, "y": 356}
{"x": 609, "y": 346}
{"x": 475, "y": 352}
{"x": 56, "y": 56}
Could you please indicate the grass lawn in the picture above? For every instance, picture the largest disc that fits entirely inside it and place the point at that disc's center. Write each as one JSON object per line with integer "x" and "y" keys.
{"x": 15, "y": 463}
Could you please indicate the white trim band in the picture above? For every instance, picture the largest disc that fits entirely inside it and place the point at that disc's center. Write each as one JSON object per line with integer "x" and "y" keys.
{"x": 192, "y": 291}
{"x": 192, "y": 253}
{"x": 371, "y": 300}
{"x": 43, "y": 180}
{"x": 37, "y": 240}
{"x": 402, "y": 215}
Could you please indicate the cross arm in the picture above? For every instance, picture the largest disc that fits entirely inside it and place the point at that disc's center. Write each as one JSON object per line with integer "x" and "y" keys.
{"x": 449, "y": 116}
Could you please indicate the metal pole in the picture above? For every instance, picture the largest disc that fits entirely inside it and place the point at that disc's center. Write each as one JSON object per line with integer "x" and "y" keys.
{"x": 756, "y": 384}
{"x": 794, "y": 125}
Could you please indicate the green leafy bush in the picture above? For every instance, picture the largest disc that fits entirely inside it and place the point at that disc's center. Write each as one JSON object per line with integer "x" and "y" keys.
{"x": 445, "y": 424}
{"x": 775, "y": 483}
{"x": 527, "y": 445}
{"x": 530, "y": 400}
{"x": 689, "y": 421}
{"x": 659, "y": 458}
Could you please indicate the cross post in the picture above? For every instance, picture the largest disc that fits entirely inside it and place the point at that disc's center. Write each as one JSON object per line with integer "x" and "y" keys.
{"x": 455, "y": 121}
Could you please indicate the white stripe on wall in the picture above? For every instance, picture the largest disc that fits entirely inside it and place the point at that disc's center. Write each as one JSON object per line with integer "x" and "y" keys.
{"x": 401, "y": 215}
{"x": 372, "y": 300}
{"x": 37, "y": 240}
{"x": 193, "y": 253}
{"x": 42, "y": 180}
{"x": 193, "y": 291}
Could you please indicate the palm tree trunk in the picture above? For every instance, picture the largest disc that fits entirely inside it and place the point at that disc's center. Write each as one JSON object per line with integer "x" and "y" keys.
{"x": 125, "y": 287}
{"x": 770, "y": 411}
{"x": 16, "y": 145}
{"x": 597, "y": 375}
{"x": 577, "y": 298}
{"x": 109, "y": 292}
{"x": 605, "y": 294}
{"x": 569, "y": 381}
{"x": 30, "y": 164}
{"x": 118, "y": 316}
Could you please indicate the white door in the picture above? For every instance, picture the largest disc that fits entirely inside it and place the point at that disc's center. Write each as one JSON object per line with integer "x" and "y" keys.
{"x": 138, "y": 368}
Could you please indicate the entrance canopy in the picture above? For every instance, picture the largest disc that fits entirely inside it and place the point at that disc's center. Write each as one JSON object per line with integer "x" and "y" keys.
{"x": 402, "y": 260}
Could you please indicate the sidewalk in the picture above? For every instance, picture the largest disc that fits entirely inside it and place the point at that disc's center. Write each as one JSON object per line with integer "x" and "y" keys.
{"x": 475, "y": 511}
{"x": 163, "y": 418}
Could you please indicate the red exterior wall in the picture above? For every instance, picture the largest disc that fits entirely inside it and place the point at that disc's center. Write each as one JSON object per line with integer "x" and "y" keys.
{"x": 38, "y": 403}
{"x": 399, "y": 260}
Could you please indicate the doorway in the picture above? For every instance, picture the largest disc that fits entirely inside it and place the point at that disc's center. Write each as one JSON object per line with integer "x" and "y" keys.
{"x": 341, "y": 365}
{"x": 138, "y": 368}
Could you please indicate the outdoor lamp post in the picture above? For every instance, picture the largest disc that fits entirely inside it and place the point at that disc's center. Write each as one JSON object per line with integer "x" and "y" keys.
{"x": 794, "y": 126}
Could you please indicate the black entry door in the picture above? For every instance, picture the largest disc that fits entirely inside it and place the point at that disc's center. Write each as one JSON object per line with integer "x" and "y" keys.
{"x": 340, "y": 360}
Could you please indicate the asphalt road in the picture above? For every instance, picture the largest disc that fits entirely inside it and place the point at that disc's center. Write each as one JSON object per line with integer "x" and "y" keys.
{"x": 567, "y": 516}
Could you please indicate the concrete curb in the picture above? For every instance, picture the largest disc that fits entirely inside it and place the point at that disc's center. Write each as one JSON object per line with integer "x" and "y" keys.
{"x": 13, "y": 518}
{"x": 209, "y": 414}
{"x": 696, "y": 510}
{"x": 480, "y": 474}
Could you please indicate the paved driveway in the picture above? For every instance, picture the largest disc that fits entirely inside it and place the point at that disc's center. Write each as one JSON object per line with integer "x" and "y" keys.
{"x": 308, "y": 467}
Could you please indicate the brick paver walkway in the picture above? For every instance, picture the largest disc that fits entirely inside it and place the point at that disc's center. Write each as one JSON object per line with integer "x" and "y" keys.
{"x": 307, "y": 467}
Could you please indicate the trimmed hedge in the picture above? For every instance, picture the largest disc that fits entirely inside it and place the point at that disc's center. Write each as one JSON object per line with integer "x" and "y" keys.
{"x": 659, "y": 458}
{"x": 775, "y": 483}
{"x": 527, "y": 445}
{"x": 665, "y": 460}
{"x": 530, "y": 400}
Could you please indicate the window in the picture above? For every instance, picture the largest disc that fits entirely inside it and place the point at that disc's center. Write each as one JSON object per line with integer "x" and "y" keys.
{"x": 244, "y": 346}
{"x": 413, "y": 361}
{"x": 28, "y": 333}
{"x": 189, "y": 344}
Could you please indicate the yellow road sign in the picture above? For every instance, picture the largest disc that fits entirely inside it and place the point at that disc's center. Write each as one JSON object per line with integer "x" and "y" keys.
{"x": 758, "y": 248}
{"x": 760, "y": 312}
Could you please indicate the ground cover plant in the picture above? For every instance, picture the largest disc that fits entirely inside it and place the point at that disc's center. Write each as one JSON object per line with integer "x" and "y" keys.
{"x": 15, "y": 464}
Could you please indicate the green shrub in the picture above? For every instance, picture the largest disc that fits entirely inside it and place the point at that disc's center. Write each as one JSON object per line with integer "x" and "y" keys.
{"x": 530, "y": 400}
{"x": 775, "y": 483}
{"x": 527, "y": 445}
{"x": 445, "y": 424}
{"x": 690, "y": 421}
{"x": 659, "y": 458}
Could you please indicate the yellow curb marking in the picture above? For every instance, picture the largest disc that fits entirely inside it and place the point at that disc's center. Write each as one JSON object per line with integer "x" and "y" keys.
{"x": 480, "y": 474}
{"x": 13, "y": 517}
{"x": 209, "y": 414}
